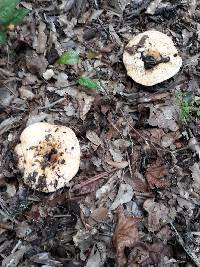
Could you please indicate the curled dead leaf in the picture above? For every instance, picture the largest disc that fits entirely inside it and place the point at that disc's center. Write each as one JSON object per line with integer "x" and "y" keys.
{"x": 158, "y": 215}
{"x": 84, "y": 102}
{"x": 93, "y": 137}
{"x": 143, "y": 255}
{"x": 125, "y": 235}
{"x": 120, "y": 165}
{"x": 137, "y": 181}
{"x": 98, "y": 215}
{"x": 155, "y": 173}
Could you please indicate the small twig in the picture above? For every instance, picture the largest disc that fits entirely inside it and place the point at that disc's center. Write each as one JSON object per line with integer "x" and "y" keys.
{"x": 62, "y": 215}
{"x": 16, "y": 246}
{"x": 10, "y": 90}
{"x": 129, "y": 164}
{"x": 95, "y": 178}
{"x": 50, "y": 105}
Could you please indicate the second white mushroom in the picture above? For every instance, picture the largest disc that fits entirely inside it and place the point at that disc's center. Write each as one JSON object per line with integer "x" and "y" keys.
{"x": 48, "y": 156}
{"x": 151, "y": 58}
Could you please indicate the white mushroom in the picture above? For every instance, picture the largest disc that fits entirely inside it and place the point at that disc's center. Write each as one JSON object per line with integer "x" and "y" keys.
{"x": 49, "y": 156}
{"x": 151, "y": 58}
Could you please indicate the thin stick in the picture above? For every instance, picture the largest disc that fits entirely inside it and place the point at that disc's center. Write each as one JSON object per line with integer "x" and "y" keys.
{"x": 50, "y": 105}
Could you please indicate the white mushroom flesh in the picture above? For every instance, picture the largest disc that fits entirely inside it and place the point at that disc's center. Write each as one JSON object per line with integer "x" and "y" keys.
{"x": 151, "y": 58}
{"x": 49, "y": 156}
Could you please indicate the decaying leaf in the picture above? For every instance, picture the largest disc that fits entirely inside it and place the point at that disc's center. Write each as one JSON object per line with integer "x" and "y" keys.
{"x": 84, "y": 239}
{"x": 196, "y": 174}
{"x": 98, "y": 215}
{"x": 93, "y": 137}
{"x": 158, "y": 215}
{"x": 194, "y": 145}
{"x": 85, "y": 102}
{"x": 124, "y": 195}
{"x": 23, "y": 230}
{"x": 156, "y": 173}
{"x": 125, "y": 235}
{"x": 143, "y": 255}
{"x": 97, "y": 256}
{"x": 14, "y": 258}
{"x": 40, "y": 44}
{"x": 120, "y": 165}
{"x": 107, "y": 187}
{"x": 36, "y": 64}
{"x": 45, "y": 258}
{"x": 164, "y": 117}
{"x": 136, "y": 180}
{"x": 152, "y": 7}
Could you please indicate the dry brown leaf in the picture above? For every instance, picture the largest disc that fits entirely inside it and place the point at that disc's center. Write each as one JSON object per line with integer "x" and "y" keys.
{"x": 155, "y": 173}
{"x": 93, "y": 137}
{"x": 164, "y": 116}
{"x": 158, "y": 215}
{"x": 154, "y": 135}
{"x": 137, "y": 180}
{"x": 85, "y": 102}
{"x": 120, "y": 165}
{"x": 125, "y": 235}
{"x": 23, "y": 230}
{"x": 40, "y": 44}
{"x": 144, "y": 255}
{"x": 98, "y": 215}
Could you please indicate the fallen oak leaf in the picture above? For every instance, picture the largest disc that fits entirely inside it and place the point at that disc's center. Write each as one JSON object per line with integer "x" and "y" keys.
{"x": 154, "y": 174}
{"x": 125, "y": 235}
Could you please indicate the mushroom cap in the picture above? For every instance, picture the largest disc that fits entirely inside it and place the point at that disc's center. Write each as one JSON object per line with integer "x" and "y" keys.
{"x": 49, "y": 156}
{"x": 147, "y": 47}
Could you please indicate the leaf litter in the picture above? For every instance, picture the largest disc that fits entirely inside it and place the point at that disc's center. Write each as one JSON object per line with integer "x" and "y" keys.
{"x": 135, "y": 199}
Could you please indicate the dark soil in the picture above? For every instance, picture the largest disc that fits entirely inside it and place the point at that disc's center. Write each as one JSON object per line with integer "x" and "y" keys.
{"x": 135, "y": 200}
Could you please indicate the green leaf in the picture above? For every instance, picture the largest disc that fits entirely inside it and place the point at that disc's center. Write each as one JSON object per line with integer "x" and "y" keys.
{"x": 6, "y": 12}
{"x": 89, "y": 83}
{"x": 185, "y": 111}
{"x": 69, "y": 58}
{"x": 92, "y": 55}
{"x": 198, "y": 112}
{"x": 5, "y": 3}
{"x": 188, "y": 97}
{"x": 3, "y": 38}
{"x": 18, "y": 16}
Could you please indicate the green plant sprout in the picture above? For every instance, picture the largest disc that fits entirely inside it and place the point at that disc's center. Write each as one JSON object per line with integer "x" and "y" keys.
{"x": 69, "y": 58}
{"x": 188, "y": 106}
{"x": 88, "y": 83}
{"x": 10, "y": 16}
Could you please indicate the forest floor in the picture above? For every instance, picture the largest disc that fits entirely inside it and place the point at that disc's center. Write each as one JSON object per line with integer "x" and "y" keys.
{"x": 135, "y": 200}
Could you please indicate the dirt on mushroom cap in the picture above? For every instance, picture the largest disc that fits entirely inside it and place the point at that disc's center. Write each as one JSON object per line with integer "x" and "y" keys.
{"x": 151, "y": 58}
{"x": 49, "y": 156}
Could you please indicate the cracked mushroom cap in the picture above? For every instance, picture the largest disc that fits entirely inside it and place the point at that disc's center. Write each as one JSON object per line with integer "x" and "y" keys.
{"x": 151, "y": 58}
{"x": 48, "y": 156}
